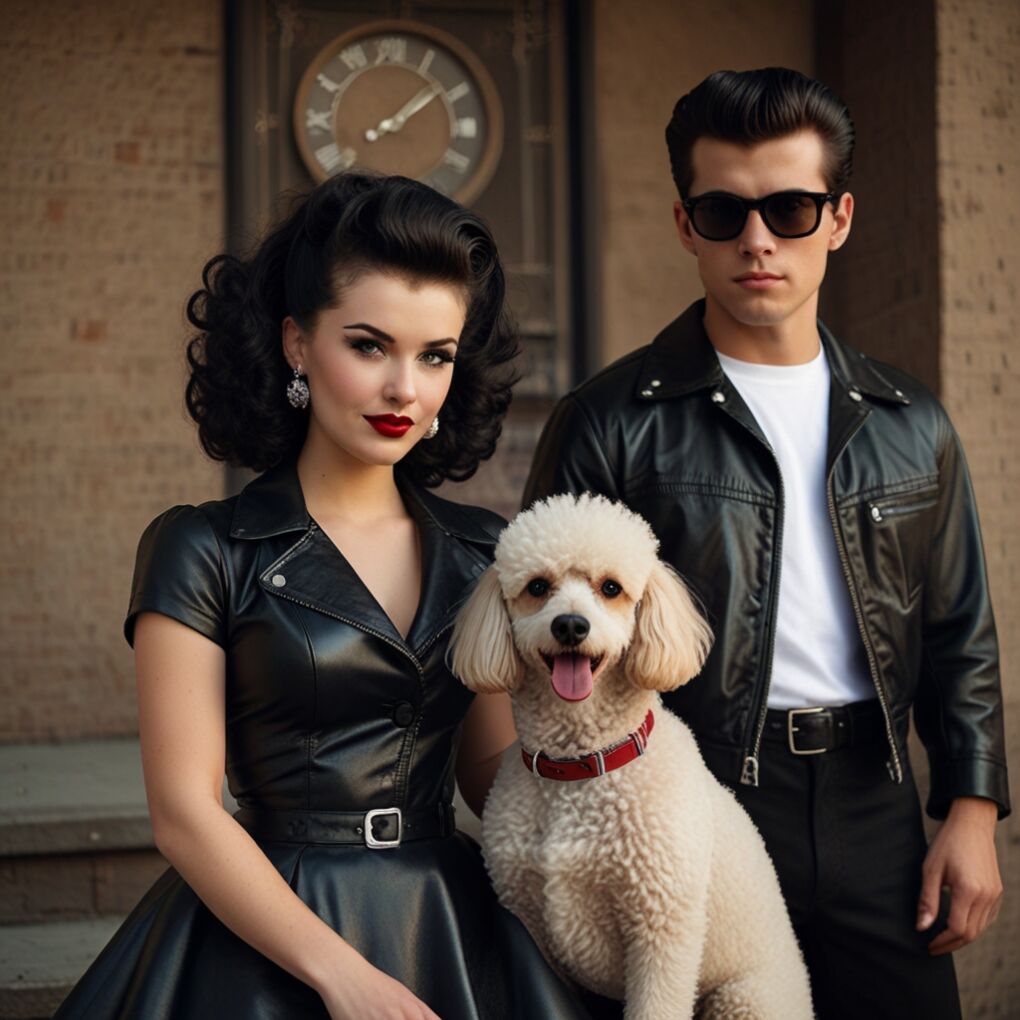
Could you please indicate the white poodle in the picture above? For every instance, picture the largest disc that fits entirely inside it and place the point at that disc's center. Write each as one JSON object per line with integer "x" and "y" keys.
{"x": 634, "y": 869}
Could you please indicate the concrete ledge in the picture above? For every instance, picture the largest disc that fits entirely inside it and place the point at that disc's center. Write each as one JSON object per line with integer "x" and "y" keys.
{"x": 67, "y": 798}
{"x": 39, "y": 963}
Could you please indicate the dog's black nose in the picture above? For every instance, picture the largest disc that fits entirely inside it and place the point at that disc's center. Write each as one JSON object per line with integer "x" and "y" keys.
{"x": 569, "y": 629}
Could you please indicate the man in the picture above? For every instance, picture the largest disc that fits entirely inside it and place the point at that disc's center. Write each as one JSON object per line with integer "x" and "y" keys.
{"x": 818, "y": 504}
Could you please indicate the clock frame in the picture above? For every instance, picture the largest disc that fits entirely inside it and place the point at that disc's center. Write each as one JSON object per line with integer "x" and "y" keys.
{"x": 400, "y": 96}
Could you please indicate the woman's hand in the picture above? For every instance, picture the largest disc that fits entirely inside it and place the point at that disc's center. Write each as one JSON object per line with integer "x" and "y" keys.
{"x": 363, "y": 992}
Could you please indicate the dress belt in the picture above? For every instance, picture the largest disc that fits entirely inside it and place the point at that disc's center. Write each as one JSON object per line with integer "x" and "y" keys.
{"x": 817, "y": 730}
{"x": 378, "y": 828}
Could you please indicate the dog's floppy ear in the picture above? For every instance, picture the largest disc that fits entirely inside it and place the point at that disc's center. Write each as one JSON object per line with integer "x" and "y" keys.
{"x": 671, "y": 638}
{"x": 482, "y": 649}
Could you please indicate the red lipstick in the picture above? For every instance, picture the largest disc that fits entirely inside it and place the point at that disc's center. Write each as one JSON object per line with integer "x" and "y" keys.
{"x": 393, "y": 426}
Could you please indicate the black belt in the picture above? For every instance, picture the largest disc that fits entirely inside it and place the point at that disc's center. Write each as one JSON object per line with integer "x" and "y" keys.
{"x": 378, "y": 828}
{"x": 816, "y": 730}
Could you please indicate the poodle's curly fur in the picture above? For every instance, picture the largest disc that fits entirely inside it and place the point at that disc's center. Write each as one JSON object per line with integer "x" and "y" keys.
{"x": 650, "y": 883}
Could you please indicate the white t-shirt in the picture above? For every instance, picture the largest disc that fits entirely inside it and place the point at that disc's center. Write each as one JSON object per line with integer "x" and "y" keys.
{"x": 818, "y": 658}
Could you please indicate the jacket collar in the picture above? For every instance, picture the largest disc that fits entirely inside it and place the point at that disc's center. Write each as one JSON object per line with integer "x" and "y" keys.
{"x": 273, "y": 504}
{"x": 681, "y": 360}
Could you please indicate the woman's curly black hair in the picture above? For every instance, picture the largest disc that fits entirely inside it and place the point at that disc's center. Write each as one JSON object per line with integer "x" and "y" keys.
{"x": 349, "y": 224}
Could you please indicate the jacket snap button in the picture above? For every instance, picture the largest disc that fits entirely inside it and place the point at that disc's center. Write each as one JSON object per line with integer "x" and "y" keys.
{"x": 646, "y": 393}
{"x": 718, "y": 397}
{"x": 655, "y": 383}
{"x": 855, "y": 395}
{"x": 279, "y": 580}
{"x": 403, "y": 714}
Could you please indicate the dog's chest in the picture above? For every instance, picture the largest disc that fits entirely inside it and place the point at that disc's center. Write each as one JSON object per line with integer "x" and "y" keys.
{"x": 570, "y": 825}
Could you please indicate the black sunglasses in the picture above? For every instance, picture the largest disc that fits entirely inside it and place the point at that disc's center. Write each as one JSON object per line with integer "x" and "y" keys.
{"x": 718, "y": 216}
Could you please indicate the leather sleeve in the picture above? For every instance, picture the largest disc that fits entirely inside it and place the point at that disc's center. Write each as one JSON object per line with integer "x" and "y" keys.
{"x": 179, "y": 572}
{"x": 958, "y": 710}
{"x": 571, "y": 456}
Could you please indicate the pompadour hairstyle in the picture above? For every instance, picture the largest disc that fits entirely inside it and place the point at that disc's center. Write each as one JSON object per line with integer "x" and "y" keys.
{"x": 748, "y": 107}
{"x": 350, "y": 224}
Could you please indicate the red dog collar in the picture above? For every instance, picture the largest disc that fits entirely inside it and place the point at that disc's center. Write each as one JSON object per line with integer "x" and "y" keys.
{"x": 598, "y": 763}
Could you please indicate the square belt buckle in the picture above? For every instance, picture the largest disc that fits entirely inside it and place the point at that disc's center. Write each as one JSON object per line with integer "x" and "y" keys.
{"x": 791, "y": 729}
{"x": 383, "y": 844}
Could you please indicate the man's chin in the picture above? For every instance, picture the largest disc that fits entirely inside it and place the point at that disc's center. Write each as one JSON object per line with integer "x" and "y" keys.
{"x": 756, "y": 310}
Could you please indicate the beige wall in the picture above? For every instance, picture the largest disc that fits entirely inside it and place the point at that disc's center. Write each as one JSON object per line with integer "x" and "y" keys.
{"x": 642, "y": 66}
{"x": 111, "y": 162}
{"x": 979, "y": 206}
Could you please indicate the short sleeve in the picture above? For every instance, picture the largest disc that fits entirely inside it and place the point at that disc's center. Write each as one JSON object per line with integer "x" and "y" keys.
{"x": 179, "y": 573}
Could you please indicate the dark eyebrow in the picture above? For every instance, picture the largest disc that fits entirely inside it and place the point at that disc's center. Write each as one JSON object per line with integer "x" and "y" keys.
{"x": 379, "y": 334}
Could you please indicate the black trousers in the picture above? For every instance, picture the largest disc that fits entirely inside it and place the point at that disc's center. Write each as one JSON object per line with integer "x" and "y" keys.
{"x": 848, "y": 845}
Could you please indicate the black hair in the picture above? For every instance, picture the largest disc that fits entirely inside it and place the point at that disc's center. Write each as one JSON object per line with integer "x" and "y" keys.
{"x": 351, "y": 223}
{"x": 748, "y": 107}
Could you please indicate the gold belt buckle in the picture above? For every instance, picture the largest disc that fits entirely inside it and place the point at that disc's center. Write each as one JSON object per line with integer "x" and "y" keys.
{"x": 791, "y": 729}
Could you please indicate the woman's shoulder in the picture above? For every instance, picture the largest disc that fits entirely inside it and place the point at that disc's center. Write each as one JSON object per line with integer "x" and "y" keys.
{"x": 189, "y": 526}
{"x": 180, "y": 568}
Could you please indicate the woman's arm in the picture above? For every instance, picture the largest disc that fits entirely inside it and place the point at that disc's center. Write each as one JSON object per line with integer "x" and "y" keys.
{"x": 181, "y": 711}
{"x": 488, "y": 732}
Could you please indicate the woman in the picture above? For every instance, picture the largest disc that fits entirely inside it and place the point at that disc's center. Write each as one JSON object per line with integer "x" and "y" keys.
{"x": 295, "y": 635}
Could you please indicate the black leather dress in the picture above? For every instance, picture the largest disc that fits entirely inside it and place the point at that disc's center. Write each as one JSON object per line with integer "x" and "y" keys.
{"x": 331, "y": 714}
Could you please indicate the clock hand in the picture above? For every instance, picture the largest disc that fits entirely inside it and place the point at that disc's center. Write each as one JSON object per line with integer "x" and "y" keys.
{"x": 405, "y": 113}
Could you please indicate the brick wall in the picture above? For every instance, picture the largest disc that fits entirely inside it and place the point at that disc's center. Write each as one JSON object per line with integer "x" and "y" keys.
{"x": 979, "y": 210}
{"x": 111, "y": 198}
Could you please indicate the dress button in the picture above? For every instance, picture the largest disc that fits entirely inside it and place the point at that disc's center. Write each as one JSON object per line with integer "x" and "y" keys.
{"x": 403, "y": 713}
{"x": 279, "y": 580}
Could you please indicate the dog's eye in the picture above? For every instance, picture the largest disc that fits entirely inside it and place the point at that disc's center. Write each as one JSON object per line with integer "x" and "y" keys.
{"x": 538, "y": 587}
{"x": 611, "y": 589}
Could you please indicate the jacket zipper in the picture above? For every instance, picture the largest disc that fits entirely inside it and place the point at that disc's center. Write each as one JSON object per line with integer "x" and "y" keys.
{"x": 894, "y": 766}
{"x": 749, "y": 769}
{"x": 879, "y": 512}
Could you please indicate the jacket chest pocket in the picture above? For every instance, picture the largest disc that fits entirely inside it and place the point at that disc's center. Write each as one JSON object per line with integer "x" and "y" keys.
{"x": 891, "y": 509}
{"x": 896, "y": 533}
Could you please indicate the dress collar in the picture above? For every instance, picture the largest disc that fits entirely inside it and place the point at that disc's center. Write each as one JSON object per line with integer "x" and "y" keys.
{"x": 456, "y": 547}
{"x": 273, "y": 504}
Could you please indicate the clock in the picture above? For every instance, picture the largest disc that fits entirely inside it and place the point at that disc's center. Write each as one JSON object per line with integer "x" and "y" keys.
{"x": 400, "y": 97}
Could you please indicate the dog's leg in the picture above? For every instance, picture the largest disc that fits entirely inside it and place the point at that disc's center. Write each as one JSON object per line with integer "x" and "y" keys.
{"x": 757, "y": 996}
{"x": 663, "y": 963}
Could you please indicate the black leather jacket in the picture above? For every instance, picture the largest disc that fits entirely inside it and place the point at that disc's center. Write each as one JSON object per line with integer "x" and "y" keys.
{"x": 665, "y": 431}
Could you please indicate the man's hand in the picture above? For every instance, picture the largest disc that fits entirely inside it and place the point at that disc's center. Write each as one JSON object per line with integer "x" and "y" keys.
{"x": 962, "y": 856}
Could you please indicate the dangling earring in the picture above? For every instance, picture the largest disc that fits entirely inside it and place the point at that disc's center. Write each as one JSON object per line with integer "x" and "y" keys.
{"x": 433, "y": 430}
{"x": 297, "y": 391}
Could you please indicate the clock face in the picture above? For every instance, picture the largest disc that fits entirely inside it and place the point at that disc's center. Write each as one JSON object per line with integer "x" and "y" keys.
{"x": 401, "y": 97}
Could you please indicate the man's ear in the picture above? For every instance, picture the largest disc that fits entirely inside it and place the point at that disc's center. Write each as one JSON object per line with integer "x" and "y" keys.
{"x": 841, "y": 220}
{"x": 683, "y": 227}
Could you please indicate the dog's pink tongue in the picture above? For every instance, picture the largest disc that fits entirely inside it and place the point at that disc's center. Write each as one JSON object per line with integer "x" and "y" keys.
{"x": 571, "y": 676}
